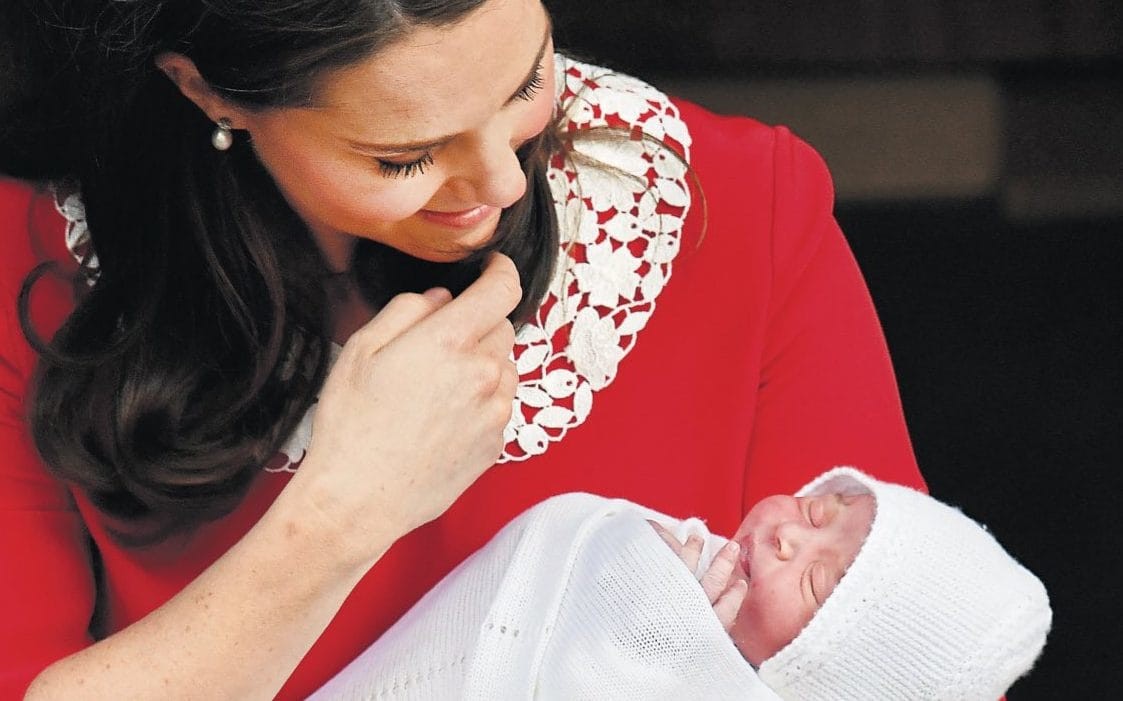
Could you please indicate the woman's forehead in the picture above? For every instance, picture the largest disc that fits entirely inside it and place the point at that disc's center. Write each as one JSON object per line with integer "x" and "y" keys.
{"x": 438, "y": 80}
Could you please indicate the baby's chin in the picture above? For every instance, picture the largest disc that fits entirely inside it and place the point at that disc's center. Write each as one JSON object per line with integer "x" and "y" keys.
{"x": 748, "y": 645}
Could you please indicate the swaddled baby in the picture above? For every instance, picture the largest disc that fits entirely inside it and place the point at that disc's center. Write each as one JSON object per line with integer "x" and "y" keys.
{"x": 853, "y": 588}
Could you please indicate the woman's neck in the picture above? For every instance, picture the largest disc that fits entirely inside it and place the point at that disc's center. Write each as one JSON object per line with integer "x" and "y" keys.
{"x": 349, "y": 310}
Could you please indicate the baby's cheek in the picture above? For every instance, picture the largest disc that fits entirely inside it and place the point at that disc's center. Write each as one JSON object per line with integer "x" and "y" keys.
{"x": 746, "y": 634}
{"x": 745, "y": 646}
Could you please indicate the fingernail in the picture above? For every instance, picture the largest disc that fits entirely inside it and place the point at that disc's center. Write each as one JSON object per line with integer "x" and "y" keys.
{"x": 733, "y": 546}
{"x": 437, "y": 294}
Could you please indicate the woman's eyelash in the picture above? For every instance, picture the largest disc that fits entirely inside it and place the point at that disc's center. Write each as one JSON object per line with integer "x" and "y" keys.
{"x": 391, "y": 169}
{"x": 405, "y": 170}
{"x": 535, "y": 84}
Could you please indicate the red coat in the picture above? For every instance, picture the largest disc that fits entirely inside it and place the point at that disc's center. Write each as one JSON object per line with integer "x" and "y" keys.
{"x": 763, "y": 365}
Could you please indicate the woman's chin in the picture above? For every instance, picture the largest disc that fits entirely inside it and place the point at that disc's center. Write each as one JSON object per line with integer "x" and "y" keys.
{"x": 441, "y": 256}
{"x": 456, "y": 250}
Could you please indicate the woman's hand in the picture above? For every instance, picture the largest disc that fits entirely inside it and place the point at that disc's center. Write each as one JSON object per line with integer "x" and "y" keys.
{"x": 413, "y": 411}
{"x": 725, "y": 595}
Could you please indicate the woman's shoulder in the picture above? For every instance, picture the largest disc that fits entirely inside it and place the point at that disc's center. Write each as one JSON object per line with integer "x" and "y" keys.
{"x": 591, "y": 96}
{"x": 739, "y": 148}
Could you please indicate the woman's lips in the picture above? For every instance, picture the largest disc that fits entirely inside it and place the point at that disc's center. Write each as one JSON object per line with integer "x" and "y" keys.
{"x": 464, "y": 219}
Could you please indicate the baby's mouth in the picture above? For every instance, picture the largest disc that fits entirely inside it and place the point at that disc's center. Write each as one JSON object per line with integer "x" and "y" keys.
{"x": 746, "y": 557}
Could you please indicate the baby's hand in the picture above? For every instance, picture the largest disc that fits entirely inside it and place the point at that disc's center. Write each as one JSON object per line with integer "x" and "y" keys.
{"x": 726, "y": 597}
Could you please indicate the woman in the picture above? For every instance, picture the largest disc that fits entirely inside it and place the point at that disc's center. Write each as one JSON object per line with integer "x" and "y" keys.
{"x": 244, "y": 184}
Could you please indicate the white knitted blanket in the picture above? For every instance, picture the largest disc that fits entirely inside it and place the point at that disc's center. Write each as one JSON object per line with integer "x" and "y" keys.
{"x": 577, "y": 598}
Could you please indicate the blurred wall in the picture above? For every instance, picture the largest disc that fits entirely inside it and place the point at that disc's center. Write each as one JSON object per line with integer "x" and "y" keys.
{"x": 907, "y": 100}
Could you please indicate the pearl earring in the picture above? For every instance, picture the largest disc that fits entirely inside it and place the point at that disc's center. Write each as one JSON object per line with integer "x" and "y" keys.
{"x": 222, "y": 138}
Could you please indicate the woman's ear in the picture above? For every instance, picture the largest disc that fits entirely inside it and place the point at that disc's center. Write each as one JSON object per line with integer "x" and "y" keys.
{"x": 182, "y": 71}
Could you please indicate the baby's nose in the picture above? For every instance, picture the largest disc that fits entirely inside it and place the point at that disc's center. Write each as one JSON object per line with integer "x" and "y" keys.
{"x": 790, "y": 536}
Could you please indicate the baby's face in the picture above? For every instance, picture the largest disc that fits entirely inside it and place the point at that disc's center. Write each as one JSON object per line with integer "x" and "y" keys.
{"x": 794, "y": 551}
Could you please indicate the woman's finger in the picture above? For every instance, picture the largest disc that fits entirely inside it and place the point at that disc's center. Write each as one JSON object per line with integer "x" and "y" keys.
{"x": 400, "y": 314}
{"x": 484, "y": 303}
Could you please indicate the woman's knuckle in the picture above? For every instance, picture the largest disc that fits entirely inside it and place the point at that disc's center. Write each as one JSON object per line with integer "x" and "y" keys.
{"x": 499, "y": 410}
{"x": 512, "y": 288}
{"x": 485, "y": 378}
{"x": 510, "y": 374}
{"x": 507, "y": 333}
{"x": 497, "y": 445}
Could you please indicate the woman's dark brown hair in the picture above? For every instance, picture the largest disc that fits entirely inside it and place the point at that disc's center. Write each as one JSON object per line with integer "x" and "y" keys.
{"x": 206, "y": 335}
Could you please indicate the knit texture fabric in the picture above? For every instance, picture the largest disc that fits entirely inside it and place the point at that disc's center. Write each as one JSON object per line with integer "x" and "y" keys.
{"x": 931, "y": 608}
{"x": 577, "y": 598}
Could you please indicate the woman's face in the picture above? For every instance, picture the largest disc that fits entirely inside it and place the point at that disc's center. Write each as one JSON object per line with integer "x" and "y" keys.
{"x": 794, "y": 551}
{"x": 415, "y": 147}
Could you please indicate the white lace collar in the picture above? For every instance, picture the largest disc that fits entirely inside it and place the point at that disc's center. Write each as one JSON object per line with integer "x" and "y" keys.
{"x": 621, "y": 205}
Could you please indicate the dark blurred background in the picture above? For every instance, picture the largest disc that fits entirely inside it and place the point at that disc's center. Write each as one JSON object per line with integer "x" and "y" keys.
{"x": 977, "y": 150}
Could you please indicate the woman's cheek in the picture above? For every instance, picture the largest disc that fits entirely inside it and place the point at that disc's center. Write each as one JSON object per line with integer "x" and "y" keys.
{"x": 541, "y": 109}
{"x": 400, "y": 200}
{"x": 368, "y": 199}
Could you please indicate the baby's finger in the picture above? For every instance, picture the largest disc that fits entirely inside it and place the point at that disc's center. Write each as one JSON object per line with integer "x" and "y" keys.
{"x": 668, "y": 537}
{"x": 716, "y": 578}
{"x": 692, "y": 551}
{"x": 729, "y": 603}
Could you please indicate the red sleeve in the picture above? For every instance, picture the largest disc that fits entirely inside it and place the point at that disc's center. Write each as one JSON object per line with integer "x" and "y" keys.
{"x": 827, "y": 393}
{"x": 46, "y": 578}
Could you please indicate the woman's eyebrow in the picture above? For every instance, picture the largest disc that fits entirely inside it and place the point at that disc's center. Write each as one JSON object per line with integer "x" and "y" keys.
{"x": 429, "y": 144}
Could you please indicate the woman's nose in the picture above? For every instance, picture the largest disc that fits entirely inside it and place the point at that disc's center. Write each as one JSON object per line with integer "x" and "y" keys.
{"x": 493, "y": 175}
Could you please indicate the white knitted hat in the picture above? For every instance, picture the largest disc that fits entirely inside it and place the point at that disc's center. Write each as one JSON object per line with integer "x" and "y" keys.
{"x": 931, "y": 608}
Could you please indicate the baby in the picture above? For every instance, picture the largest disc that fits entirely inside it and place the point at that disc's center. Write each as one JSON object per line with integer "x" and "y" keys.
{"x": 853, "y": 588}
{"x": 930, "y": 605}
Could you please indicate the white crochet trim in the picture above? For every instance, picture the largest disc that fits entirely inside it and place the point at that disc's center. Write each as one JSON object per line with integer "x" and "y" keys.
{"x": 623, "y": 204}
{"x": 77, "y": 232}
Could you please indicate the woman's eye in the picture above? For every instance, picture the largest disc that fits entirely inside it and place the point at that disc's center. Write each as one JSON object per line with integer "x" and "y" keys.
{"x": 390, "y": 169}
{"x": 533, "y": 86}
